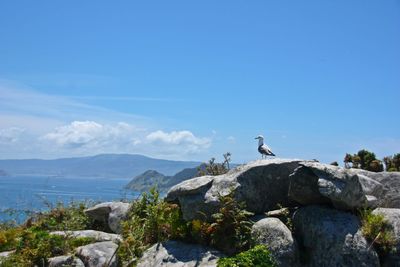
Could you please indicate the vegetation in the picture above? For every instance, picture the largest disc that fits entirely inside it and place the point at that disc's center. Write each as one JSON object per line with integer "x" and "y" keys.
{"x": 213, "y": 168}
{"x": 365, "y": 160}
{"x": 392, "y": 163}
{"x": 151, "y": 220}
{"x": 32, "y": 241}
{"x": 257, "y": 256}
{"x": 377, "y": 230}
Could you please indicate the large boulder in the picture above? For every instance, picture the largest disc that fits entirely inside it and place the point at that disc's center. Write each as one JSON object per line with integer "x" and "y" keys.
{"x": 98, "y": 254}
{"x": 261, "y": 185}
{"x": 109, "y": 214}
{"x": 97, "y": 236}
{"x": 392, "y": 216}
{"x": 63, "y": 261}
{"x": 329, "y": 237}
{"x": 273, "y": 233}
{"x": 178, "y": 254}
{"x": 346, "y": 189}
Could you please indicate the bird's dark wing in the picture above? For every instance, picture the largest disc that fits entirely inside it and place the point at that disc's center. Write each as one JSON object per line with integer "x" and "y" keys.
{"x": 264, "y": 149}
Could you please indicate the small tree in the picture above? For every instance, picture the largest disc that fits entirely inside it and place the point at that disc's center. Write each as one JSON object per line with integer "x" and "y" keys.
{"x": 213, "y": 168}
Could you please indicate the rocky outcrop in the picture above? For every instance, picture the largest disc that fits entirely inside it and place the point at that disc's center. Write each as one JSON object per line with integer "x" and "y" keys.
{"x": 97, "y": 236}
{"x": 261, "y": 185}
{"x": 279, "y": 240}
{"x": 98, "y": 254}
{"x": 346, "y": 189}
{"x": 328, "y": 237}
{"x": 392, "y": 216}
{"x": 178, "y": 254}
{"x": 62, "y": 261}
{"x": 109, "y": 214}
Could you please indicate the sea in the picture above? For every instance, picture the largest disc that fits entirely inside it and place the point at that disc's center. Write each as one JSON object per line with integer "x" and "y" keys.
{"x": 20, "y": 195}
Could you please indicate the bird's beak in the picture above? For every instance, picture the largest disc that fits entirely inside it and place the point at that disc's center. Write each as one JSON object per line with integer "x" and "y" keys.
{"x": 256, "y": 138}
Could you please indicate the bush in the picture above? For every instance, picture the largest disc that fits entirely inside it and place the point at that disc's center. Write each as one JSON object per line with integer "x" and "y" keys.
{"x": 258, "y": 256}
{"x": 151, "y": 220}
{"x": 231, "y": 230}
{"x": 377, "y": 231}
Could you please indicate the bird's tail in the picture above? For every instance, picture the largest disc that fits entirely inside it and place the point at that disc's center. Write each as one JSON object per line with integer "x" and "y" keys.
{"x": 272, "y": 154}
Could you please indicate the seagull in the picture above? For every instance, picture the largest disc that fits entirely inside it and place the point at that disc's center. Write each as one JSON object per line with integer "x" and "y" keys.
{"x": 263, "y": 148}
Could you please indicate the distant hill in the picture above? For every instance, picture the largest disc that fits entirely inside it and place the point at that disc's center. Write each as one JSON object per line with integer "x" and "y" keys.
{"x": 101, "y": 166}
{"x": 150, "y": 178}
{"x": 3, "y": 173}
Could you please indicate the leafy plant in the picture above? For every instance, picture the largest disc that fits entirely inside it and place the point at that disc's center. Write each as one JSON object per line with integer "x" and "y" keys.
{"x": 231, "y": 229}
{"x": 258, "y": 256}
{"x": 213, "y": 168}
{"x": 377, "y": 230}
{"x": 151, "y": 220}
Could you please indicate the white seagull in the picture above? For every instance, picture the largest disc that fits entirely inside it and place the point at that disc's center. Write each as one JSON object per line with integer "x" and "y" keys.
{"x": 263, "y": 148}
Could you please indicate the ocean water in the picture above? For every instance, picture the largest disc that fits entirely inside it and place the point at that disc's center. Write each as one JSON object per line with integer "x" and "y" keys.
{"x": 37, "y": 193}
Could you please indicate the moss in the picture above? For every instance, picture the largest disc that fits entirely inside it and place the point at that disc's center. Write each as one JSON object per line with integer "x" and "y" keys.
{"x": 259, "y": 256}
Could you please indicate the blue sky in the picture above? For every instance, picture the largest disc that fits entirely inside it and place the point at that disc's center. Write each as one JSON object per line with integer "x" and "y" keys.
{"x": 191, "y": 80}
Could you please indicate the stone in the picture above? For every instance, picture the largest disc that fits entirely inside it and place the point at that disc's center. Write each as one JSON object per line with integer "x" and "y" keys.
{"x": 261, "y": 185}
{"x": 345, "y": 189}
{"x": 178, "y": 254}
{"x": 273, "y": 233}
{"x": 98, "y": 254}
{"x": 392, "y": 216}
{"x": 98, "y": 236}
{"x": 329, "y": 237}
{"x": 109, "y": 214}
{"x": 5, "y": 254}
{"x": 64, "y": 261}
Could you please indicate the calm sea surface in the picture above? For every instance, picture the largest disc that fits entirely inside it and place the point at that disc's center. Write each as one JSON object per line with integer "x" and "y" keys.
{"x": 20, "y": 193}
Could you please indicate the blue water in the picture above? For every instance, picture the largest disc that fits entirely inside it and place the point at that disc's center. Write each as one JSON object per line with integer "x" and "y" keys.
{"x": 37, "y": 193}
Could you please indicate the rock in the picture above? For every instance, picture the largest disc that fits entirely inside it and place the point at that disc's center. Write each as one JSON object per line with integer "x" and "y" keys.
{"x": 346, "y": 189}
{"x": 328, "y": 237}
{"x": 64, "y": 261}
{"x": 98, "y": 254}
{"x": 392, "y": 216}
{"x": 178, "y": 254}
{"x": 277, "y": 237}
{"x": 98, "y": 236}
{"x": 110, "y": 214}
{"x": 260, "y": 184}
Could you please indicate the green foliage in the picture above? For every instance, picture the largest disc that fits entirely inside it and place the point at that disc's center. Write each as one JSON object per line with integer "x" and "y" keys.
{"x": 63, "y": 217}
{"x": 231, "y": 229}
{"x": 213, "y": 168}
{"x": 34, "y": 246}
{"x": 392, "y": 163}
{"x": 151, "y": 220}
{"x": 377, "y": 230}
{"x": 365, "y": 160}
{"x": 32, "y": 242}
{"x": 259, "y": 256}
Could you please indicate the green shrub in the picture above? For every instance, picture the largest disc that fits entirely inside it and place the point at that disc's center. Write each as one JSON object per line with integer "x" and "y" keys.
{"x": 34, "y": 246}
{"x": 151, "y": 220}
{"x": 377, "y": 231}
{"x": 61, "y": 217}
{"x": 259, "y": 256}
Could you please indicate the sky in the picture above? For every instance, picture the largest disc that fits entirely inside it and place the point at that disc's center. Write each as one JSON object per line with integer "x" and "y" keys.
{"x": 191, "y": 80}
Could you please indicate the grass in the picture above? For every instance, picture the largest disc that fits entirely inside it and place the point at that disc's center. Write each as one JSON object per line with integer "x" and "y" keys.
{"x": 377, "y": 231}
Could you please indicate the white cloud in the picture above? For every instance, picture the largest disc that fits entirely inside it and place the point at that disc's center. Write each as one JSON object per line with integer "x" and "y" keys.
{"x": 10, "y": 135}
{"x": 184, "y": 141}
{"x": 93, "y": 135}
{"x": 231, "y": 139}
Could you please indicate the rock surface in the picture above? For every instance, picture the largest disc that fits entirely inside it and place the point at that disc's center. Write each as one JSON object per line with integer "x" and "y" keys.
{"x": 260, "y": 184}
{"x": 98, "y": 254}
{"x": 98, "y": 236}
{"x": 328, "y": 237}
{"x": 392, "y": 216}
{"x": 346, "y": 189}
{"x": 110, "y": 214}
{"x": 279, "y": 240}
{"x": 63, "y": 261}
{"x": 178, "y": 254}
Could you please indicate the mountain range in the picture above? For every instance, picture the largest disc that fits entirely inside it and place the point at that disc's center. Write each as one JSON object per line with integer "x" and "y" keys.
{"x": 99, "y": 166}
